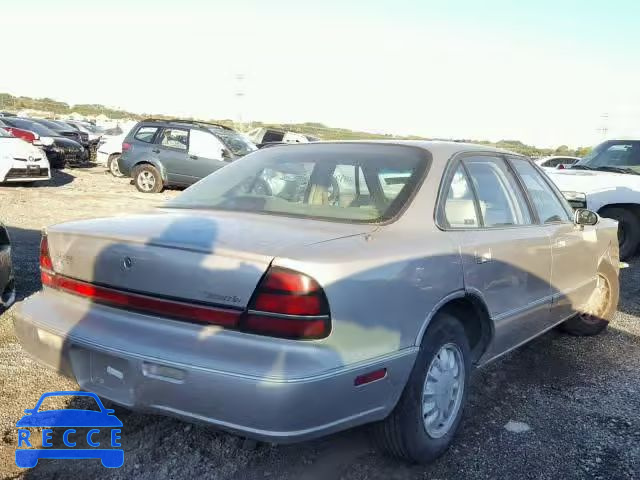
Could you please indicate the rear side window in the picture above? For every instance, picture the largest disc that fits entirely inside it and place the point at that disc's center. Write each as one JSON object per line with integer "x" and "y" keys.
{"x": 500, "y": 198}
{"x": 146, "y": 134}
{"x": 175, "y": 138}
{"x": 345, "y": 182}
{"x": 545, "y": 201}
{"x": 460, "y": 206}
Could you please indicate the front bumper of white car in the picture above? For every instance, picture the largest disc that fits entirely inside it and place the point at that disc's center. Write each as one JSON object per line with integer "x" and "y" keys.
{"x": 25, "y": 171}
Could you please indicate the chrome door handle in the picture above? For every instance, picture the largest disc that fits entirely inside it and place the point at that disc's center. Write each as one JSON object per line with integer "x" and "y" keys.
{"x": 484, "y": 257}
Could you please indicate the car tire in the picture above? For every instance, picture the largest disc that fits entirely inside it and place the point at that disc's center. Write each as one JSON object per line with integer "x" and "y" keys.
{"x": 147, "y": 179}
{"x": 407, "y": 433}
{"x": 601, "y": 306}
{"x": 628, "y": 229}
{"x": 112, "y": 165}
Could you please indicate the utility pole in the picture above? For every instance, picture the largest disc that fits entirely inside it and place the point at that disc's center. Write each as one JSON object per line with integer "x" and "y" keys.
{"x": 239, "y": 94}
{"x": 604, "y": 129}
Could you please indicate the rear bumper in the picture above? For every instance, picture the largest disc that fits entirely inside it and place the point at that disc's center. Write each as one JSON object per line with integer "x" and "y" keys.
{"x": 201, "y": 383}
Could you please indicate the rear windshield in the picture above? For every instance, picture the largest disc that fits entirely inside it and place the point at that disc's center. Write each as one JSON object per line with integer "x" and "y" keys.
{"x": 362, "y": 183}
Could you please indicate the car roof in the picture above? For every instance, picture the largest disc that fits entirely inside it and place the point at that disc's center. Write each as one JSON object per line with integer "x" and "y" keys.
{"x": 435, "y": 147}
{"x": 183, "y": 123}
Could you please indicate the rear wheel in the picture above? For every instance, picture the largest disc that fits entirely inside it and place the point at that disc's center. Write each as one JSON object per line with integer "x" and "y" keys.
{"x": 148, "y": 179}
{"x": 628, "y": 229}
{"x": 113, "y": 166}
{"x": 427, "y": 416}
{"x": 600, "y": 308}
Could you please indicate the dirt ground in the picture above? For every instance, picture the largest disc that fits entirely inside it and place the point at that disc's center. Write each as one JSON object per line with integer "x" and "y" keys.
{"x": 579, "y": 398}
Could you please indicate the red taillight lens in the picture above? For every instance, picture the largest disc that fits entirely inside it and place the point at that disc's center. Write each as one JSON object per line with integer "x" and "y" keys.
{"x": 288, "y": 304}
{"x": 143, "y": 303}
{"x": 126, "y": 147}
{"x": 45, "y": 258}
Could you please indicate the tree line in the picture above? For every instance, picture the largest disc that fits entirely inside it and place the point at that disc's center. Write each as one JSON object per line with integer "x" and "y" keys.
{"x": 16, "y": 103}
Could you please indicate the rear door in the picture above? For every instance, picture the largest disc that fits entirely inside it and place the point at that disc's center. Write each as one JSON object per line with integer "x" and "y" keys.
{"x": 506, "y": 256}
{"x": 574, "y": 248}
{"x": 205, "y": 154}
{"x": 171, "y": 148}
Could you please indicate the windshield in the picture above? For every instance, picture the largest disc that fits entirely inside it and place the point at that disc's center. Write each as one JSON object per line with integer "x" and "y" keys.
{"x": 235, "y": 142}
{"x": 361, "y": 183}
{"x": 616, "y": 155}
{"x": 32, "y": 127}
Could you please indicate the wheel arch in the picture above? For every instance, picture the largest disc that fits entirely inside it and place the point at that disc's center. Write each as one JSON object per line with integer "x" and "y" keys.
{"x": 153, "y": 163}
{"x": 471, "y": 309}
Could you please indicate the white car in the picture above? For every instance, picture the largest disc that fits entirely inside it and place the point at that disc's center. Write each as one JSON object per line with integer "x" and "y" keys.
{"x": 109, "y": 150}
{"x": 607, "y": 181}
{"x": 20, "y": 161}
{"x": 556, "y": 162}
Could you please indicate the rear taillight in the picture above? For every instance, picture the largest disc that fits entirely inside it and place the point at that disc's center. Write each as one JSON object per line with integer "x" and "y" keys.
{"x": 45, "y": 258}
{"x": 288, "y": 304}
{"x": 126, "y": 147}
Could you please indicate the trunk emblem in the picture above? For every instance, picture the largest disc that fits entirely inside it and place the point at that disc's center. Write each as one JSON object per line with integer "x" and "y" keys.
{"x": 127, "y": 263}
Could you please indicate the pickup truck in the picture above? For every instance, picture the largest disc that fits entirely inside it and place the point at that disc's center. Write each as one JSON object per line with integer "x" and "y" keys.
{"x": 607, "y": 181}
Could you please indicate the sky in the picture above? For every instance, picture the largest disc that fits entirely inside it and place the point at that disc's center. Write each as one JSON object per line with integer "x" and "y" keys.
{"x": 543, "y": 72}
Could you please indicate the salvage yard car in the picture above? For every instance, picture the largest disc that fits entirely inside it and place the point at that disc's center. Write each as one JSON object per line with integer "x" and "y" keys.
{"x": 20, "y": 161}
{"x": 159, "y": 153}
{"x": 60, "y": 150}
{"x": 607, "y": 181}
{"x": 287, "y": 317}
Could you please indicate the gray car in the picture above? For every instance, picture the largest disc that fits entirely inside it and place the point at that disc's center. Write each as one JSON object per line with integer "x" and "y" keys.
{"x": 160, "y": 153}
{"x": 288, "y": 314}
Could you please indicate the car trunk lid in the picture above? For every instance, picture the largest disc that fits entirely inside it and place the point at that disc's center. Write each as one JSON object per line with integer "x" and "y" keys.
{"x": 205, "y": 257}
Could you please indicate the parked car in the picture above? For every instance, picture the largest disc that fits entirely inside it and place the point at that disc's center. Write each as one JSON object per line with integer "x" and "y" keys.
{"x": 607, "y": 181}
{"x": 20, "y": 161}
{"x": 108, "y": 153}
{"x": 556, "y": 162}
{"x": 59, "y": 150}
{"x": 325, "y": 315}
{"x": 65, "y": 130}
{"x": 7, "y": 282}
{"x": 266, "y": 136}
{"x": 157, "y": 153}
{"x": 93, "y": 132}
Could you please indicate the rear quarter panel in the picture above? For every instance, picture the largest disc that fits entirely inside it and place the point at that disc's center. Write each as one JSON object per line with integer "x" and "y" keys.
{"x": 381, "y": 287}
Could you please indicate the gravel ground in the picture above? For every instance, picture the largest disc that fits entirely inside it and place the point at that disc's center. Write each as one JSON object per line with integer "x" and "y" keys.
{"x": 577, "y": 400}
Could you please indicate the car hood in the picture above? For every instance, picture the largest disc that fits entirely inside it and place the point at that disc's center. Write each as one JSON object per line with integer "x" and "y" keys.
{"x": 67, "y": 143}
{"x": 18, "y": 148}
{"x": 589, "y": 181}
{"x": 69, "y": 418}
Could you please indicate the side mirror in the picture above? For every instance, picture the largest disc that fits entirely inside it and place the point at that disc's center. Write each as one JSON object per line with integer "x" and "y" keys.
{"x": 582, "y": 216}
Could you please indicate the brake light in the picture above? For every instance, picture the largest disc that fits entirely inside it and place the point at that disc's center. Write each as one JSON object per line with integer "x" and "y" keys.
{"x": 126, "y": 147}
{"x": 45, "y": 258}
{"x": 288, "y": 304}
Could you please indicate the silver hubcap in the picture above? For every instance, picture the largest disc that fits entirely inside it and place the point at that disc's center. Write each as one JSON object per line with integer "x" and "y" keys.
{"x": 443, "y": 390}
{"x": 146, "y": 181}
{"x": 115, "y": 168}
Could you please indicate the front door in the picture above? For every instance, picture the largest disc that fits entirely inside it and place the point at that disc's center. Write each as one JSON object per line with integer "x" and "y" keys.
{"x": 205, "y": 154}
{"x": 574, "y": 248}
{"x": 171, "y": 150}
{"x": 506, "y": 257}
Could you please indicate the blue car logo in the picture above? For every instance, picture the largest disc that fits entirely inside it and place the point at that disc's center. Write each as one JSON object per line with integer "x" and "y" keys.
{"x": 67, "y": 419}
